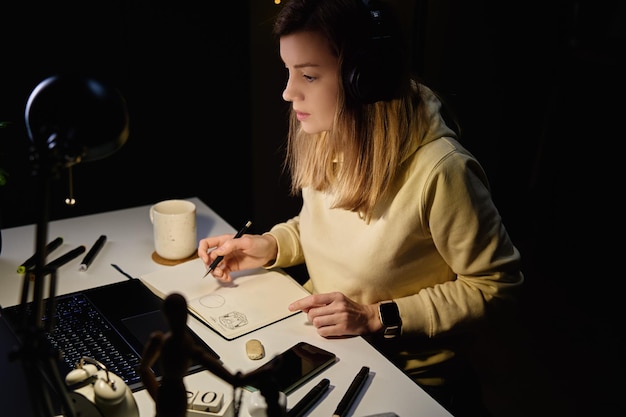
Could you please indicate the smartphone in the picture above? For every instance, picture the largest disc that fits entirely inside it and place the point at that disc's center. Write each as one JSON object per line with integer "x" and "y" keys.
{"x": 296, "y": 365}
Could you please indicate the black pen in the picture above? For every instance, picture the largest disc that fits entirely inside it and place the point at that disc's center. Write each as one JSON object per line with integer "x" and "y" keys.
{"x": 353, "y": 391}
{"x": 88, "y": 259}
{"x": 308, "y": 401}
{"x": 121, "y": 271}
{"x": 219, "y": 258}
{"x": 30, "y": 262}
{"x": 63, "y": 259}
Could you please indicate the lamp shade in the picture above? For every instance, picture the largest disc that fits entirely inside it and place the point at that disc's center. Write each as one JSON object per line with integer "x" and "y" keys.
{"x": 76, "y": 118}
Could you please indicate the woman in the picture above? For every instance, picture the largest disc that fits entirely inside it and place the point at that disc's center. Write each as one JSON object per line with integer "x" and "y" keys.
{"x": 401, "y": 239}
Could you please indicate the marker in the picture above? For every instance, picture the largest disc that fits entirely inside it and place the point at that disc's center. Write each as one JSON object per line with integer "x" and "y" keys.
{"x": 30, "y": 262}
{"x": 353, "y": 391}
{"x": 308, "y": 401}
{"x": 95, "y": 249}
{"x": 63, "y": 259}
{"x": 219, "y": 258}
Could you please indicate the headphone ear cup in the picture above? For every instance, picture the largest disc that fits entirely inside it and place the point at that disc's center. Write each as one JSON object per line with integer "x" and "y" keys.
{"x": 368, "y": 80}
{"x": 109, "y": 392}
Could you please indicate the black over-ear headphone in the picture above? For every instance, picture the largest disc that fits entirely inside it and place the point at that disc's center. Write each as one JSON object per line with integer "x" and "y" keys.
{"x": 374, "y": 66}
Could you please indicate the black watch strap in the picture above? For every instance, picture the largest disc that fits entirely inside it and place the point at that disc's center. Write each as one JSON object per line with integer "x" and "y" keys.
{"x": 390, "y": 318}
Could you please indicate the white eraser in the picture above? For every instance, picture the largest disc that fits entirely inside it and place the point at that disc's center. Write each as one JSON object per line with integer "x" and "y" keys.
{"x": 208, "y": 401}
{"x": 255, "y": 349}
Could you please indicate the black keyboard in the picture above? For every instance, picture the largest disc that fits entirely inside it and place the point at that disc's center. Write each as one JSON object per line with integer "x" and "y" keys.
{"x": 79, "y": 329}
{"x": 110, "y": 324}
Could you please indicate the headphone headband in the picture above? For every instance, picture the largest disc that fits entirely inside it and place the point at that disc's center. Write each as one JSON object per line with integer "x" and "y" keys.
{"x": 374, "y": 67}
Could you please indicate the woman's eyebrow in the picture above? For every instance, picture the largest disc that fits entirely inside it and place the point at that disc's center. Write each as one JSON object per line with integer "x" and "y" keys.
{"x": 305, "y": 65}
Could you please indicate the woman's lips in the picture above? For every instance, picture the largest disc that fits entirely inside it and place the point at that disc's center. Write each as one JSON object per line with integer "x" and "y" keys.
{"x": 302, "y": 116}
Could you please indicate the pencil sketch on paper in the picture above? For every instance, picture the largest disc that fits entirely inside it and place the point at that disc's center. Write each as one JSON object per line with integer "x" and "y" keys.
{"x": 233, "y": 320}
{"x": 212, "y": 301}
{"x": 253, "y": 300}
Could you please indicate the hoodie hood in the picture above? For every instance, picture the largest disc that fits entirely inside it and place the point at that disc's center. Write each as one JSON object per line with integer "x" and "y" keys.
{"x": 437, "y": 127}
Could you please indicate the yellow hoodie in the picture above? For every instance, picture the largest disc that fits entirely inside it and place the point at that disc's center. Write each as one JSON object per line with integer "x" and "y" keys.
{"x": 437, "y": 246}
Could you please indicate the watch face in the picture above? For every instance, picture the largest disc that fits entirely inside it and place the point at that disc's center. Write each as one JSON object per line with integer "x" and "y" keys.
{"x": 389, "y": 314}
{"x": 390, "y": 318}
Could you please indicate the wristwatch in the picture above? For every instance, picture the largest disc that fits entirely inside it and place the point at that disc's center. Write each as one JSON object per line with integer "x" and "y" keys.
{"x": 390, "y": 318}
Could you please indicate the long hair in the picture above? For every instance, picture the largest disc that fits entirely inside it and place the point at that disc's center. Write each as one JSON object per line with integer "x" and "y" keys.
{"x": 358, "y": 159}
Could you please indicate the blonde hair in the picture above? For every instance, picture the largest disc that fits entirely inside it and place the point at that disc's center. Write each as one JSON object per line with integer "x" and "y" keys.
{"x": 359, "y": 158}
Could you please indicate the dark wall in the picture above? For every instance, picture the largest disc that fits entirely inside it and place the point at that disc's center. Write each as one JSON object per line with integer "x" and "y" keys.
{"x": 538, "y": 87}
{"x": 186, "y": 82}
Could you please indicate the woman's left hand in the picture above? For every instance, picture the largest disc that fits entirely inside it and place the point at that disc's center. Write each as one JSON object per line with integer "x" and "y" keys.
{"x": 334, "y": 315}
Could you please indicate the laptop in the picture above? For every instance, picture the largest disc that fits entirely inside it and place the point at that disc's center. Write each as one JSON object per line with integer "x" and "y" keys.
{"x": 110, "y": 324}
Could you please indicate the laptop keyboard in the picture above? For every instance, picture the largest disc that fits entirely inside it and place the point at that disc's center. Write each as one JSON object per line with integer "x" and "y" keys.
{"x": 110, "y": 324}
{"x": 79, "y": 329}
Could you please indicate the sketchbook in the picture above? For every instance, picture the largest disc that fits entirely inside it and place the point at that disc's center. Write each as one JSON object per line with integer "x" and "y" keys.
{"x": 254, "y": 299}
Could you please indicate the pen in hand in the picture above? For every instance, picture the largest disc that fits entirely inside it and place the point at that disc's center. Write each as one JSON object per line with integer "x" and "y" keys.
{"x": 353, "y": 391}
{"x": 95, "y": 249}
{"x": 219, "y": 258}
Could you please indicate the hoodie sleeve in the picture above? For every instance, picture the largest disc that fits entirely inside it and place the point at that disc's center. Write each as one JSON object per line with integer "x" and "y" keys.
{"x": 287, "y": 236}
{"x": 468, "y": 232}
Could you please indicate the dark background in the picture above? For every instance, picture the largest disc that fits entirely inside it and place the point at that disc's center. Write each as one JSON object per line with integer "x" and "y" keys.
{"x": 538, "y": 88}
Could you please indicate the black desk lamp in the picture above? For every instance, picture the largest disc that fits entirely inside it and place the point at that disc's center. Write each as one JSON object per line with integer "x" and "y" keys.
{"x": 69, "y": 119}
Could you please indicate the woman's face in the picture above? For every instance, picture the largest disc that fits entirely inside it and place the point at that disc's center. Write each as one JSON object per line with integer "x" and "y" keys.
{"x": 313, "y": 82}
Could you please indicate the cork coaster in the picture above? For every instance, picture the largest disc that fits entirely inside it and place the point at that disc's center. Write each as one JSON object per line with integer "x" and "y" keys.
{"x": 170, "y": 262}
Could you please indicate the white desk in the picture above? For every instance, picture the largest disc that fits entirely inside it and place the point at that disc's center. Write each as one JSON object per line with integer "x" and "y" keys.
{"x": 130, "y": 246}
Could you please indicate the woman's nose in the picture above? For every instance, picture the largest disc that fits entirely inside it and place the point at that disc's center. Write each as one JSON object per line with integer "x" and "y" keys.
{"x": 289, "y": 92}
{"x": 286, "y": 94}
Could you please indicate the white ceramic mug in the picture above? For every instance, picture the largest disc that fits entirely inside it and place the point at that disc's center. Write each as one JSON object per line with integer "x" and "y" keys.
{"x": 174, "y": 225}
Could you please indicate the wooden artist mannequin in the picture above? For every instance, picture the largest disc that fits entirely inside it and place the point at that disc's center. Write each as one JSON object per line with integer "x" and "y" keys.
{"x": 177, "y": 351}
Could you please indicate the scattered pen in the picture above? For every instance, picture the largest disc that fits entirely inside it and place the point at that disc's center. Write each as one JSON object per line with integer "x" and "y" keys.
{"x": 353, "y": 391}
{"x": 121, "y": 271}
{"x": 308, "y": 401}
{"x": 63, "y": 259}
{"x": 30, "y": 262}
{"x": 95, "y": 249}
{"x": 219, "y": 258}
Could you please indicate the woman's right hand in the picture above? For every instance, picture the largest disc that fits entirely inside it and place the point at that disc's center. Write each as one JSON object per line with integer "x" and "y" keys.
{"x": 246, "y": 252}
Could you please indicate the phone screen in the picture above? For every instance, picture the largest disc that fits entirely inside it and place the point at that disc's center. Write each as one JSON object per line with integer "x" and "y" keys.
{"x": 296, "y": 365}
